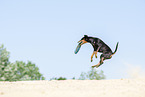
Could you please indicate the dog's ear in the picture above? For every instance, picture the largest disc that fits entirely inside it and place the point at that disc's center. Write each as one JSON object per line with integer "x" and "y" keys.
{"x": 85, "y": 35}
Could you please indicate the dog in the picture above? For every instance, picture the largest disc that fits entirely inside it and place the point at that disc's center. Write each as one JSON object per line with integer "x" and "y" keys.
{"x": 99, "y": 46}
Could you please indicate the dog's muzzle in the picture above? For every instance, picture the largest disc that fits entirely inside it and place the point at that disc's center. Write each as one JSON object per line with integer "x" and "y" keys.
{"x": 81, "y": 42}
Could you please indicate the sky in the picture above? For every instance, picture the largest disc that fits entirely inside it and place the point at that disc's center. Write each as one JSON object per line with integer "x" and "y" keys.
{"x": 46, "y": 32}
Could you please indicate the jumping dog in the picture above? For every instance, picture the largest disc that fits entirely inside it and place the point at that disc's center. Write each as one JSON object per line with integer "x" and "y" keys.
{"x": 99, "y": 46}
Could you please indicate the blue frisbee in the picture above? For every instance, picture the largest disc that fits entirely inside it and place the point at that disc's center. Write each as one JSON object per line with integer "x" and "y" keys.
{"x": 78, "y": 48}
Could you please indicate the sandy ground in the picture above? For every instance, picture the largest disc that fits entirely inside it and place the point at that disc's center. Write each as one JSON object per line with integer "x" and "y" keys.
{"x": 74, "y": 88}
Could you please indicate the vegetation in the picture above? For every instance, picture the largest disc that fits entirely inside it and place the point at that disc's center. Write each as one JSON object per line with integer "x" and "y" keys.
{"x": 93, "y": 74}
{"x": 4, "y": 61}
{"x": 17, "y": 71}
{"x": 60, "y": 78}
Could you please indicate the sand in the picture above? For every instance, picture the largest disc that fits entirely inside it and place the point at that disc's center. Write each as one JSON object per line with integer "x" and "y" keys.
{"x": 74, "y": 88}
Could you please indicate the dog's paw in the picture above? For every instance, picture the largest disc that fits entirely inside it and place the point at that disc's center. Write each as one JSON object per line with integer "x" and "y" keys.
{"x": 96, "y": 56}
{"x": 97, "y": 66}
{"x": 91, "y": 60}
{"x": 93, "y": 66}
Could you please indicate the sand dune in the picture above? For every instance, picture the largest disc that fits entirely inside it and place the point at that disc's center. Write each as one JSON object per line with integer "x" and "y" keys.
{"x": 74, "y": 88}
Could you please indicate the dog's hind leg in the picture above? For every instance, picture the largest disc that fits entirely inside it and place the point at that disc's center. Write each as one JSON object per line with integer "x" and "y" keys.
{"x": 100, "y": 63}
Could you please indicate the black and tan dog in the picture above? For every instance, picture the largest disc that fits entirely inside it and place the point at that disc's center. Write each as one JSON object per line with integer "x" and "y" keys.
{"x": 99, "y": 46}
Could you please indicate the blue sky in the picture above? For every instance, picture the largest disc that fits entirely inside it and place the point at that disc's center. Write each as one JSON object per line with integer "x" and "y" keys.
{"x": 46, "y": 32}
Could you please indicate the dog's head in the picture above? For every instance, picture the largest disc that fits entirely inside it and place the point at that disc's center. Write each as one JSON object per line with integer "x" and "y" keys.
{"x": 83, "y": 40}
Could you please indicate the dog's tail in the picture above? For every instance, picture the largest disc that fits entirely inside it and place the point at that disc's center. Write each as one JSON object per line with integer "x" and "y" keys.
{"x": 115, "y": 49}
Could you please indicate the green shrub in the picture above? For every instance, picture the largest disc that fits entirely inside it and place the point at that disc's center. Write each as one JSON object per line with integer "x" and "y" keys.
{"x": 60, "y": 78}
{"x": 17, "y": 71}
{"x": 93, "y": 74}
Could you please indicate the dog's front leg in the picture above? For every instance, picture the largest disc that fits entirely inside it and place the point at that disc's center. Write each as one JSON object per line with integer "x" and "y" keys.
{"x": 95, "y": 53}
{"x": 92, "y": 56}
